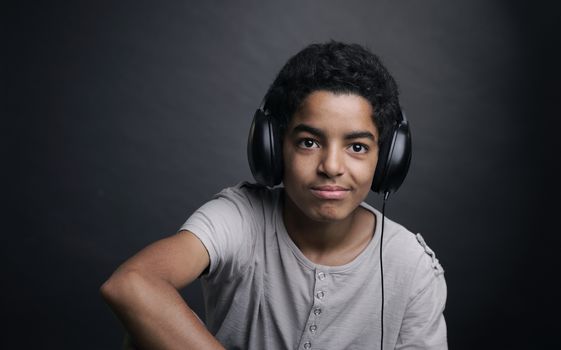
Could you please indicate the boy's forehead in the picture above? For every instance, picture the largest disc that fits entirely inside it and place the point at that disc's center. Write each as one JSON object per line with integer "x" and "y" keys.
{"x": 324, "y": 109}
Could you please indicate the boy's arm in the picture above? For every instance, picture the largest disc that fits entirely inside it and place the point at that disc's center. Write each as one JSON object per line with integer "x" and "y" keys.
{"x": 143, "y": 292}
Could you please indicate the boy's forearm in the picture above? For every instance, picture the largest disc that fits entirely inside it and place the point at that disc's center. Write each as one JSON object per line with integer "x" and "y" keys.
{"x": 155, "y": 314}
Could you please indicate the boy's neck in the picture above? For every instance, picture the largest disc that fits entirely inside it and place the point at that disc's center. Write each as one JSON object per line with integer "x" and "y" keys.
{"x": 329, "y": 243}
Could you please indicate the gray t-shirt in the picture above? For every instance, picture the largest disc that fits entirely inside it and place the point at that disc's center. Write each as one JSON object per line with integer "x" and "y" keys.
{"x": 261, "y": 292}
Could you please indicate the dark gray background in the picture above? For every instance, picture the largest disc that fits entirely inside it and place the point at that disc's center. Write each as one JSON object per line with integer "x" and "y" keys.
{"x": 121, "y": 118}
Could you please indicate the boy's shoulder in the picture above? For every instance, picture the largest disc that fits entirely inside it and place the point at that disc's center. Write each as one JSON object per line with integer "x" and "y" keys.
{"x": 249, "y": 194}
{"x": 405, "y": 248}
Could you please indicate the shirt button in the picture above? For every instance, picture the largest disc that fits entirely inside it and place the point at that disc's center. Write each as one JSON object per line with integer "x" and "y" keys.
{"x": 307, "y": 345}
{"x": 313, "y": 328}
{"x": 321, "y": 276}
{"x": 317, "y": 311}
{"x": 320, "y": 294}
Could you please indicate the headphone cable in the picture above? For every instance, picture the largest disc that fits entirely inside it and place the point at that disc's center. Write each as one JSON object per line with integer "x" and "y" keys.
{"x": 386, "y": 195}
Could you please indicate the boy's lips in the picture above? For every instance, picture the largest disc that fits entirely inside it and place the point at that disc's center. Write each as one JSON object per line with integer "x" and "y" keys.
{"x": 330, "y": 192}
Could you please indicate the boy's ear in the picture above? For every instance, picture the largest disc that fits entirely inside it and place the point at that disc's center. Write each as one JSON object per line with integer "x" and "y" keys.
{"x": 264, "y": 149}
{"x": 394, "y": 158}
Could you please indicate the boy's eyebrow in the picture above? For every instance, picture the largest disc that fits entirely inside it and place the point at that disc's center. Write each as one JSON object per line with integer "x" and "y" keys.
{"x": 360, "y": 135}
{"x": 319, "y": 133}
{"x": 306, "y": 128}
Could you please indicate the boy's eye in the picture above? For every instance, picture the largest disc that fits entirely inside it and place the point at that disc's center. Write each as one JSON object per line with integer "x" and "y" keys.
{"x": 308, "y": 143}
{"x": 358, "y": 148}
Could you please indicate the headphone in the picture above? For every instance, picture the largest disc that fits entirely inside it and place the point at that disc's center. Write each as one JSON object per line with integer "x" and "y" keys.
{"x": 264, "y": 152}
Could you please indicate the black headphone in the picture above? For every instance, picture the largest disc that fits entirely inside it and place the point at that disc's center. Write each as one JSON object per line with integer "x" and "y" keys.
{"x": 264, "y": 152}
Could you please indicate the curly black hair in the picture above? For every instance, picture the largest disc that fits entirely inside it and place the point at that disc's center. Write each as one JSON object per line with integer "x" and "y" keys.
{"x": 339, "y": 68}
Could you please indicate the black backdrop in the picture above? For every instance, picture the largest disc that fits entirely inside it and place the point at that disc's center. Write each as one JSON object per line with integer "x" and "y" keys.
{"x": 121, "y": 118}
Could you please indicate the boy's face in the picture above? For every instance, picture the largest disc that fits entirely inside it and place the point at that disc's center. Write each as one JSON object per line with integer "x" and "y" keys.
{"x": 330, "y": 152}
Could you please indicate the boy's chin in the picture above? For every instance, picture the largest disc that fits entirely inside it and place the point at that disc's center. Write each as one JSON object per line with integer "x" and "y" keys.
{"x": 327, "y": 214}
{"x": 322, "y": 211}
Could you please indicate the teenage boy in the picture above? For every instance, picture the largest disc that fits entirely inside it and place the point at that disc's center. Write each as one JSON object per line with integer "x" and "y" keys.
{"x": 296, "y": 266}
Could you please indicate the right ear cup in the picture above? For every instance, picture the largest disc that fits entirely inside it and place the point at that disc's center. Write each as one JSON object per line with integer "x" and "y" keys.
{"x": 394, "y": 158}
{"x": 264, "y": 149}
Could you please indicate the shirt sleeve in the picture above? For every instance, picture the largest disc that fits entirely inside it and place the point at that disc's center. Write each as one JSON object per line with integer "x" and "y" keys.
{"x": 423, "y": 325}
{"x": 225, "y": 226}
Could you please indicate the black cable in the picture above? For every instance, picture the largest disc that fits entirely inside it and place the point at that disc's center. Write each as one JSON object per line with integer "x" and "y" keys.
{"x": 386, "y": 195}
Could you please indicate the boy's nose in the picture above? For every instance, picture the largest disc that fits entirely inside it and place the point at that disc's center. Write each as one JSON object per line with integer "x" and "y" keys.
{"x": 331, "y": 164}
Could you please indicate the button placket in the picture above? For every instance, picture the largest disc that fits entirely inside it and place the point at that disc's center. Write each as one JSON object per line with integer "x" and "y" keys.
{"x": 320, "y": 295}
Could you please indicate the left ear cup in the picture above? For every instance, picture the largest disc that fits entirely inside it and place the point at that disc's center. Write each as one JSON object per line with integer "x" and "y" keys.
{"x": 264, "y": 149}
{"x": 394, "y": 159}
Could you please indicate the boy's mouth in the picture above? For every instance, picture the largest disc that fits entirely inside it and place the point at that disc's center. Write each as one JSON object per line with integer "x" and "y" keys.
{"x": 330, "y": 192}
